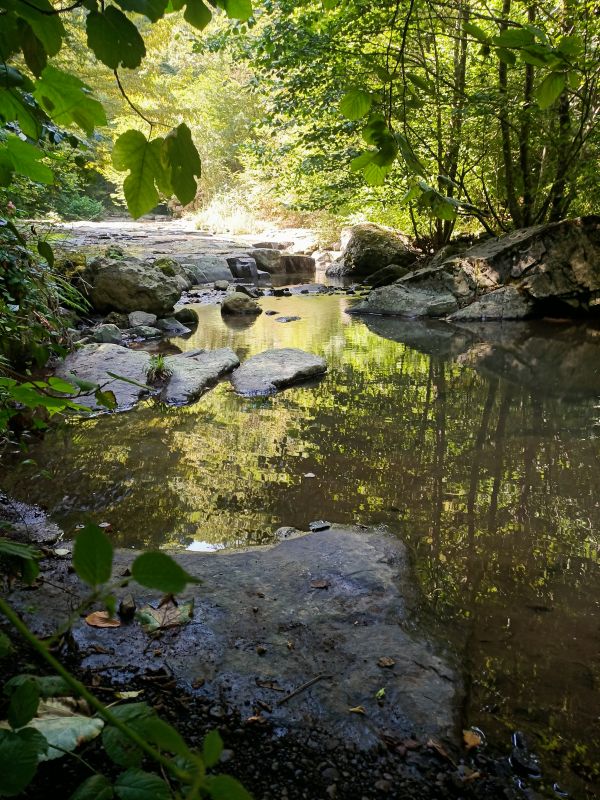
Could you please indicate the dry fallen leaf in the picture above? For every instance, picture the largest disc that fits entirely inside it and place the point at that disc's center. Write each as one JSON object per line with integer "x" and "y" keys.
{"x": 439, "y": 748}
{"x": 102, "y": 619}
{"x": 167, "y": 615}
{"x": 472, "y": 739}
{"x": 357, "y": 710}
{"x": 386, "y": 661}
{"x": 319, "y": 584}
{"x": 128, "y": 695}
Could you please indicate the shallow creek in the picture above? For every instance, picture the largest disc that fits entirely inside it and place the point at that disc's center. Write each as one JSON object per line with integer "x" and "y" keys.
{"x": 492, "y": 483}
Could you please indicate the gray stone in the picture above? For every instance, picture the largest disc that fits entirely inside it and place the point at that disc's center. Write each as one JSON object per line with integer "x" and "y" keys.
{"x": 221, "y": 286}
{"x": 243, "y": 267}
{"x": 144, "y": 332}
{"x": 507, "y": 302}
{"x": 173, "y": 269}
{"x": 129, "y": 285}
{"x": 269, "y": 259}
{"x": 28, "y": 524}
{"x": 386, "y": 275}
{"x": 187, "y": 316}
{"x": 370, "y": 582}
{"x": 93, "y": 362}
{"x": 272, "y": 245}
{"x": 368, "y": 248}
{"x": 107, "y": 333}
{"x": 287, "y": 319}
{"x": 192, "y": 374}
{"x": 115, "y": 318}
{"x": 272, "y": 370}
{"x": 172, "y": 327}
{"x": 207, "y": 268}
{"x": 141, "y": 318}
{"x": 407, "y": 301}
{"x": 297, "y": 264}
{"x": 238, "y": 303}
{"x": 249, "y": 291}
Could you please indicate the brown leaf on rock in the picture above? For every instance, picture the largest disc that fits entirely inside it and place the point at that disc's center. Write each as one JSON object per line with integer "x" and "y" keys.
{"x": 472, "y": 739}
{"x": 167, "y": 615}
{"x": 102, "y": 619}
{"x": 357, "y": 710}
{"x": 319, "y": 583}
{"x": 386, "y": 662}
{"x": 435, "y": 744}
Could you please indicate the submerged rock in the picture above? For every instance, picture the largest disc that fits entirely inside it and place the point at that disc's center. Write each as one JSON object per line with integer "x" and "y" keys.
{"x": 369, "y": 248}
{"x": 239, "y": 303}
{"x": 187, "y": 316}
{"x": 171, "y": 327}
{"x": 272, "y": 370}
{"x": 93, "y": 362}
{"x": 192, "y": 374}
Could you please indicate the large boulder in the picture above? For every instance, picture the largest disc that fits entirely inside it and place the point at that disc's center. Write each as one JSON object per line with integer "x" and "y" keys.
{"x": 507, "y": 302}
{"x": 184, "y": 275}
{"x": 386, "y": 275}
{"x": 129, "y": 284}
{"x": 272, "y": 370}
{"x": 407, "y": 301}
{"x": 207, "y": 269}
{"x": 193, "y": 373}
{"x": 269, "y": 259}
{"x": 298, "y": 264}
{"x": 243, "y": 267}
{"x": 368, "y": 248}
{"x": 238, "y": 303}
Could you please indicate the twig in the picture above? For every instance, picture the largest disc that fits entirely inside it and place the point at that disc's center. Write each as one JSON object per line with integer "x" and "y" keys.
{"x": 300, "y": 689}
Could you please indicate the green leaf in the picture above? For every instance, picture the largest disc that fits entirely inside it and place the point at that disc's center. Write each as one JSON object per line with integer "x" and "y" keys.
{"x": 157, "y": 570}
{"x": 550, "y": 89}
{"x": 6, "y": 646}
{"x": 135, "y": 784}
{"x": 24, "y": 159}
{"x": 237, "y": 9}
{"x": 420, "y": 83}
{"x": 92, "y": 556}
{"x": 63, "y": 727}
{"x": 538, "y": 55}
{"x": 570, "y": 45}
{"x": 114, "y": 39}
{"x": 33, "y": 50}
{"x": 507, "y": 56}
{"x": 106, "y": 398}
{"x": 46, "y": 252}
{"x": 160, "y": 733}
{"x": 475, "y": 31}
{"x": 10, "y": 77}
{"x": 212, "y": 747}
{"x": 182, "y": 162}
{"x": 13, "y": 108}
{"x": 58, "y": 385}
{"x": 19, "y": 753}
{"x": 23, "y": 704}
{"x": 514, "y": 37}
{"x": 224, "y": 787}
{"x": 48, "y": 685}
{"x": 67, "y": 101}
{"x": 355, "y": 104}
{"x": 153, "y": 9}
{"x": 143, "y": 158}
{"x": 375, "y": 174}
{"x": 96, "y": 787}
{"x": 120, "y": 748}
{"x": 197, "y": 14}
{"x": 45, "y": 23}
{"x": 361, "y": 161}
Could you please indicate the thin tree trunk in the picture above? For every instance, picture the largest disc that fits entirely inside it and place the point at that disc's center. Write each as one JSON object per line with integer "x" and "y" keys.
{"x": 509, "y": 179}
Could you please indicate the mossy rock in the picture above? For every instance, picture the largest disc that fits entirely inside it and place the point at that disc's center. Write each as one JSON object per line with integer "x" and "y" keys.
{"x": 167, "y": 266}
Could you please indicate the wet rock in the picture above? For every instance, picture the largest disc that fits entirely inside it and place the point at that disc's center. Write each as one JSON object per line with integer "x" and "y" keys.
{"x": 287, "y": 319}
{"x": 93, "y": 362}
{"x": 221, "y": 286}
{"x": 239, "y": 303}
{"x": 115, "y": 318}
{"x": 249, "y": 291}
{"x": 272, "y": 245}
{"x": 507, "y": 302}
{"x": 243, "y": 267}
{"x": 144, "y": 332}
{"x": 28, "y": 523}
{"x": 192, "y": 374}
{"x": 386, "y": 275}
{"x": 271, "y": 313}
{"x": 129, "y": 285}
{"x": 407, "y": 301}
{"x": 172, "y": 327}
{"x": 187, "y": 316}
{"x": 184, "y": 275}
{"x": 208, "y": 268}
{"x": 297, "y": 264}
{"x": 368, "y": 248}
{"x": 141, "y": 318}
{"x": 272, "y": 370}
{"x": 107, "y": 333}
{"x": 269, "y": 259}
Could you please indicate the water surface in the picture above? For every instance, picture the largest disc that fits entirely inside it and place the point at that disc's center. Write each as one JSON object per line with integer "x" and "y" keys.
{"x": 482, "y": 457}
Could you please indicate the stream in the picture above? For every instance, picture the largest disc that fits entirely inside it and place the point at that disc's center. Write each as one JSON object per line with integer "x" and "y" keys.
{"x": 489, "y": 474}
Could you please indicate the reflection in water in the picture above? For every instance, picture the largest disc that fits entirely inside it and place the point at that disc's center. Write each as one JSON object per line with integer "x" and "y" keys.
{"x": 491, "y": 482}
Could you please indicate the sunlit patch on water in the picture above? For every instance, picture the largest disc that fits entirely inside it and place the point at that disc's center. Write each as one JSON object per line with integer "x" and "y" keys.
{"x": 485, "y": 461}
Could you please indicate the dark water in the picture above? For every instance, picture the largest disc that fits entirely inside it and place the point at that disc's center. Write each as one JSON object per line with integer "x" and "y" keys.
{"x": 479, "y": 447}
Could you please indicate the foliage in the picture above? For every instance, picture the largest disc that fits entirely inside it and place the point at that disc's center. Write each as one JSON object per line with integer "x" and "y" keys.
{"x": 157, "y": 369}
{"x": 130, "y": 732}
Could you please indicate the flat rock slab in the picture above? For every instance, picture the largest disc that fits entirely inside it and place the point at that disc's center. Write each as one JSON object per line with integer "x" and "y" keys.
{"x": 267, "y": 621}
{"x": 191, "y": 375}
{"x": 407, "y": 301}
{"x": 272, "y": 370}
{"x": 93, "y": 362}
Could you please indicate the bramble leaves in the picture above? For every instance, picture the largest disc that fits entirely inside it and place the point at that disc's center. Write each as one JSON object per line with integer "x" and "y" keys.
{"x": 355, "y": 104}
{"x": 212, "y": 747}
{"x": 157, "y": 570}
{"x": 135, "y": 784}
{"x": 92, "y": 556}
{"x": 23, "y": 703}
{"x": 96, "y": 787}
{"x": 67, "y": 101}
{"x": 114, "y": 39}
{"x": 19, "y": 753}
{"x": 143, "y": 158}
{"x": 183, "y": 163}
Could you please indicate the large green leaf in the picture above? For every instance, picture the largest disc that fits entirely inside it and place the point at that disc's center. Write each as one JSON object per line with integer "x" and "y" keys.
{"x": 514, "y": 37}
{"x": 67, "y": 101}
{"x": 19, "y": 754}
{"x": 6, "y": 646}
{"x": 120, "y": 748}
{"x": 157, "y": 570}
{"x": 474, "y": 30}
{"x": 135, "y": 784}
{"x": 96, "y": 787}
{"x": 24, "y": 159}
{"x": 153, "y": 9}
{"x": 45, "y": 23}
{"x": 182, "y": 162}
{"x": 224, "y": 787}
{"x": 144, "y": 160}
{"x": 23, "y": 704}
{"x": 158, "y": 732}
{"x": 197, "y": 14}
{"x": 355, "y": 104}
{"x": 114, "y": 39}
{"x": 212, "y": 747}
{"x": 64, "y": 727}
{"x": 92, "y": 556}
{"x": 550, "y": 89}
{"x": 33, "y": 50}
{"x": 237, "y": 9}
